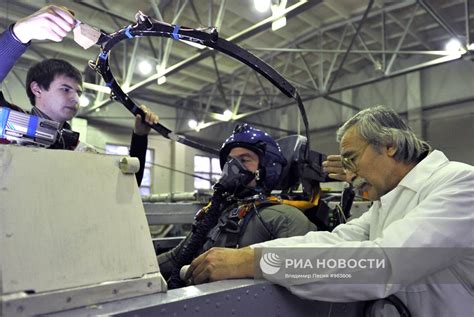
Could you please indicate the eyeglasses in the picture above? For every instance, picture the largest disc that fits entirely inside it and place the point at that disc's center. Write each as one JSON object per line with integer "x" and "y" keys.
{"x": 348, "y": 162}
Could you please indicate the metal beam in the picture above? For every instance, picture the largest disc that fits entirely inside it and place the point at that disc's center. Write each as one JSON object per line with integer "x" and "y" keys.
{"x": 334, "y": 78}
{"x": 384, "y": 40}
{"x": 321, "y": 65}
{"x": 400, "y": 42}
{"x": 366, "y": 48}
{"x": 342, "y": 103}
{"x": 308, "y": 71}
{"x": 467, "y": 22}
{"x": 219, "y": 81}
{"x": 131, "y": 65}
{"x": 333, "y": 62}
{"x": 196, "y": 14}
{"x": 156, "y": 10}
{"x": 403, "y": 27}
{"x": 438, "y": 18}
{"x": 220, "y": 14}
{"x": 169, "y": 43}
{"x": 338, "y": 8}
{"x": 208, "y": 104}
{"x": 235, "y": 108}
{"x": 211, "y": 9}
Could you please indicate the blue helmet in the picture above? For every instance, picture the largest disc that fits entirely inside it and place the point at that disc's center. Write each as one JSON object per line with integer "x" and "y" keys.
{"x": 271, "y": 160}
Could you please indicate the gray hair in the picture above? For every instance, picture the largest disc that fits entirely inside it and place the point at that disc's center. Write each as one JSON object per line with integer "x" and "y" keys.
{"x": 382, "y": 126}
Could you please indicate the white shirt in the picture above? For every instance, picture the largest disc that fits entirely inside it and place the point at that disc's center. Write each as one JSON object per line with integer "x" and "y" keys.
{"x": 432, "y": 207}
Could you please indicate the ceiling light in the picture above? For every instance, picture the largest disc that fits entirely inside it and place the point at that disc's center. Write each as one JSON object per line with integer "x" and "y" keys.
{"x": 227, "y": 115}
{"x": 161, "y": 80}
{"x": 453, "y": 46}
{"x": 160, "y": 69}
{"x": 199, "y": 126}
{"x": 83, "y": 101}
{"x": 262, "y": 5}
{"x": 378, "y": 65}
{"x": 145, "y": 67}
{"x": 278, "y": 24}
{"x": 277, "y": 13}
{"x": 192, "y": 124}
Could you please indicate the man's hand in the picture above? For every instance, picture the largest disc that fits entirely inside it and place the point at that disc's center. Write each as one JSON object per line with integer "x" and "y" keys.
{"x": 49, "y": 23}
{"x": 333, "y": 166}
{"x": 142, "y": 128}
{"x": 220, "y": 264}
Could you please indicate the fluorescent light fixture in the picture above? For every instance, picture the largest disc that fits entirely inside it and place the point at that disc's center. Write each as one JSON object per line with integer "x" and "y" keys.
{"x": 278, "y": 24}
{"x": 262, "y": 5}
{"x": 192, "y": 124}
{"x": 227, "y": 115}
{"x": 145, "y": 67}
{"x": 277, "y": 13}
{"x": 83, "y": 101}
{"x": 199, "y": 126}
{"x": 161, "y": 80}
{"x": 98, "y": 88}
{"x": 453, "y": 46}
{"x": 160, "y": 69}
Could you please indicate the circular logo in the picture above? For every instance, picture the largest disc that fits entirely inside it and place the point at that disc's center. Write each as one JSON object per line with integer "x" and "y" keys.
{"x": 270, "y": 263}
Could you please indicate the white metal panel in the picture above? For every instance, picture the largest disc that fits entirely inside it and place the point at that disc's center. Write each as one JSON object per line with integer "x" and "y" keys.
{"x": 69, "y": 219}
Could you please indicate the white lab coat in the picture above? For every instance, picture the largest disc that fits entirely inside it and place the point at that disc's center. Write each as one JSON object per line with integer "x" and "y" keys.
{"x": 432, "y": 207}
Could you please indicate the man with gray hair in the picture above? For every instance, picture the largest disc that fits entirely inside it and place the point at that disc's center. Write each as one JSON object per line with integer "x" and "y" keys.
{"x": 422, "y": 206}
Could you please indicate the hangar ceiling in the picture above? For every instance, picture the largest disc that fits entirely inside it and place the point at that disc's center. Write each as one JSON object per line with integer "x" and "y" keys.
{"x": 322, "y": 42}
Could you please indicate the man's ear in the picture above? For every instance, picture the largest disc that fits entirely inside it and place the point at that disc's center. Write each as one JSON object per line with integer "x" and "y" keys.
{"x": 391, "y": 150}
{"x": 36, "y": 88}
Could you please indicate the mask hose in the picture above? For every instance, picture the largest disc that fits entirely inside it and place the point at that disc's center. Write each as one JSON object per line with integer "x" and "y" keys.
{"x": 200, "y": 230}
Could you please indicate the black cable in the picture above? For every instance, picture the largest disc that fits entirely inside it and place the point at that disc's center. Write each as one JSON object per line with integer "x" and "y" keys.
{"x": 199, "y": 236}
{"x": 306, "y": 125}
{"x": 263, "y": 222}
{"x": 167, "y": 168}
{"x": 402, "y": 309}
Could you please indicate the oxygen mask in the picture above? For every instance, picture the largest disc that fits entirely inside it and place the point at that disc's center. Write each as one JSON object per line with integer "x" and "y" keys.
{"x": 234, "y": 178}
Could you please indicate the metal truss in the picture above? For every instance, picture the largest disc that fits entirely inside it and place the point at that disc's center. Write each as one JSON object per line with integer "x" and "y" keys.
{"x": 379, "y": 38}
{"x": 241, "y": 36}
{"x": 386, "y": 69}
